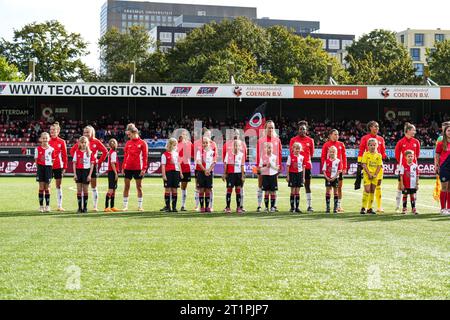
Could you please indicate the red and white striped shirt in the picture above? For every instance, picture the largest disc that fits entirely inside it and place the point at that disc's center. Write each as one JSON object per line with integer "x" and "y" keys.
{"x": 207, "y": 158}
{"x": 171, "y": 160}
{"x": 60, "y": 152}
{"x": 82, "y": 159}
{"x": 269, "y": 164}
{"x": 95, "y": 145}
{"x": 331, "y": 168}
{"x": 234, "y": 162}
{"x": 295, "y": 163}
{"x": 44, "y": 156}
{"x": 410, "y": 173}
{"x": 113, "y": 158}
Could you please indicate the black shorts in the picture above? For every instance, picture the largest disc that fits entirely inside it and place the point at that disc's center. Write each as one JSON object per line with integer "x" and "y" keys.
{"x": 295, "y": 180}
{"x": 94, "y": 172}
{"x": 203, "y": 181}
{"x": 133, "y": 174}
{"x": 44, "y": 174}
{"x": 444, "y": 173}
{"x": 333, "y": 184}
{"x": 234, "y": 180}
{"x": 173, "y": 179}
{"x": 82, "y": 175}
{"x": 57, "y": 174}
{"x": 307, "y": 174}
{"x": 341, "y": 177}
{"x": 270, "y": 183}
{"x": 112, "y": 182}
{"x": 186, "y": 177}
{"x": 409, "y": 191}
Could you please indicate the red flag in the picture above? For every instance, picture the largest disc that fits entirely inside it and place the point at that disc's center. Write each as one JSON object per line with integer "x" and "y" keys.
{"x": 258, "y": 119}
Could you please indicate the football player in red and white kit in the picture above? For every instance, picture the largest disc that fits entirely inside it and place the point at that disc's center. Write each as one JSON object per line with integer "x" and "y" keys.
{"x": 95, "y": 146}
{"x": 234, "y": 175}
{"x": 186, "y": 153}
{"x": 295, "y": 176}
{"x": 44, "y": 156}
{"x": 135, "y": 163}
{"x": 408, "y": 142}
{"x": 331, "y": 169}
{"x": 83, "y": 167}
{"x": 269, "y": 136}
{"x": 442, "y": 165}
{"x": 198, "y": 145}
{"x": 228, "y": 148}
{"x": 171, "y": 174}
{"x": 307, "y": 152}
{"x": 60, "y": 163}
{"x": 409, "y": 181}
{"x": 341, "y": 155}
{"x": 113, "y": 176}
{"x": 205, "y": 159}
{"x": 373, "y": 128}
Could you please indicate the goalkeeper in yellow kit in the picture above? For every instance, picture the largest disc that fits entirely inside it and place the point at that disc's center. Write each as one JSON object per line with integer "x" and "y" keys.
{"x": 372, "y": 163}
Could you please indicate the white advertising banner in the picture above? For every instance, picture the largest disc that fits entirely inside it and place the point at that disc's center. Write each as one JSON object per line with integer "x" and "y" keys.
{"x": 404, "y": 93}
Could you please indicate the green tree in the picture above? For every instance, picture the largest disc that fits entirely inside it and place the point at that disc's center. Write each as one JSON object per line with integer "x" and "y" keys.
{"x": 216, "y": 51}
{"x": 9, "y": 72}
{"x": 377, "y": 58}
{"x": 439, "y": 62}
{"x": 58, "y": 52}
{"x": 294, "y": 59}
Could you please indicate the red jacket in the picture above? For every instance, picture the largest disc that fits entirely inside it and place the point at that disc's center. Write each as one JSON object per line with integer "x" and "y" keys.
{"x": 186, "y": 153}
{"x": 406, "y": 144}
{"x": 341, "y": 153}
{"x": 307, "y": 149}
{"x": 60, "y": 152}
{"x": 95, "y": 145}
{"x": 136, "y": 155}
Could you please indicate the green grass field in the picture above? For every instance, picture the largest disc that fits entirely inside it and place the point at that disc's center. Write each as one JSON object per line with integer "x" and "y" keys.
{"x": 193, "y": 256}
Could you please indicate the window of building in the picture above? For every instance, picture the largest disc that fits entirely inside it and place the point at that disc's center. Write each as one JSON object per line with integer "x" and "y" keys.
{"x": 165, "y": 49}
{"x": 201, "y": 13}
{"x": 169, "y": 18}
{"x": 158, "y": 18}
{"x": 346, "y": 43}
{"x": 135, "y": 17}
{"x": 124, "y": 24}
{"x": 402, "y": 39}
{"x": 415, "y": 54}
{"x": 179, "y": 36}
{"x": 164, "y": 18}
{"x": 439, "y": 37}
{"x": 324, "y": 43}
{"x": 130, "y": 23}
{"x": 124, "y": 17}
{"x": 419, "y": 69}
{"x": 334, "y": 44}
{"x": 147, "y": 18}
{"x": 419, "y": 39}
{"x": 165, "y": 36}
{"x": 130, "y": 17}
{"x": 152, "y": 18}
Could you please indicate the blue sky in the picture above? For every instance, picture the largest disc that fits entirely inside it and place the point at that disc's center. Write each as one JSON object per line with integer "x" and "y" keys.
{"x": 349, "y": 16}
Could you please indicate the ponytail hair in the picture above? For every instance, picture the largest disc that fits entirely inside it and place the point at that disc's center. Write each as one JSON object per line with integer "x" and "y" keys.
{"x": 408, "y": 126}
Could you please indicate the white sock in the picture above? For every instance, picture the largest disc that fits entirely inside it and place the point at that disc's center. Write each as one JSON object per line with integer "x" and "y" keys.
{"x": 59, "y": 197}
{"x": 211, "y": 199}
{"x": 125, "y": 202}
{"x": 399, "y": 198}
{"x": 140, "y": 201}
{"x": 339, "y": 203}
{"x": 260, "y": 197}
{"x": 183, "y": 198}
{"x": 242, "y": 197}
{"x": 197, "y": 198}
{"x": 95, "y": 197}
{"x": 309, "y": 199}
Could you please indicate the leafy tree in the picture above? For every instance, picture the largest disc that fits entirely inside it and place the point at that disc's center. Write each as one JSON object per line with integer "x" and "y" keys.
{"x": 439, "y": 62}
{"x": 377, "y": 58}
{"x": 294, "y": 59}
{"x": 9, "y": 72}
{"x": 58, "y": 52}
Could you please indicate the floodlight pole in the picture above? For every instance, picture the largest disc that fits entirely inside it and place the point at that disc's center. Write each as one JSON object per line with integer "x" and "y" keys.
{"x": 132, "y": 71}
{"x": 31, "y": 70}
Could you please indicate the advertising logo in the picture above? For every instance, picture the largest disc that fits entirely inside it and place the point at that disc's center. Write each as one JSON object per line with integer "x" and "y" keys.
{"x": 207, "y": 91}
{"x": 153, "y": 167}
{"x": 237, "y": 91}
{"x": 2, "y": 87}
{"x": 385, "y": 93}
{"x": 11, "y": 166}
{"x": 180, "y": 91}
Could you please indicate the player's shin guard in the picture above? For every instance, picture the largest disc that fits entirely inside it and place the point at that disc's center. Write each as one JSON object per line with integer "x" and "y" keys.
{"x": 398, "y": 198}
{"x": 197, "y": 198}
{"x": 297, "y": 200}
{"x": 260, "y": 196}
{"x": 292, "y": 200}
{"x": 405, "y": 201}
{"x": 95, "y": 197}
{"x": 266, "y": 200}
{"x": 273, "y": 200}
{"x": 85, "y": 200}
{"x": 208, "y": 199}
{"x": 242, "y": 197}
{"x": 79, "y": 201}
{"x": 174, "y": 200}
{"x": 228, "y": 197}
{"x": 41, "y": 198}
{"x": 309, "y": 199}
{"x": 211, "y": 200}
{"x": 365, "y": 199}
{"x": 371, "y": 198}
{"x": 167, "y": 199}
{"x": 378, "y": 196}
{"x": 201, "y": 198}
{"x": 113, "y": 196}
{"x": 238, "y": 198}
{"x": 413, "y": 200}
{"x": 328, "y": 199}
{"x": 47, "y": 197}
{"x": 59, "y": 195}
{"x": 183, "y": 198}
{"x": 108, "y": 197}
{"x": 140, "y": 202}
{"x": 336, "y": 202}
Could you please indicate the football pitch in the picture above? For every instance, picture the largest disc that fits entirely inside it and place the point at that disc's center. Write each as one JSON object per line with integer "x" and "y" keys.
{"x": 154, "y": 255}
